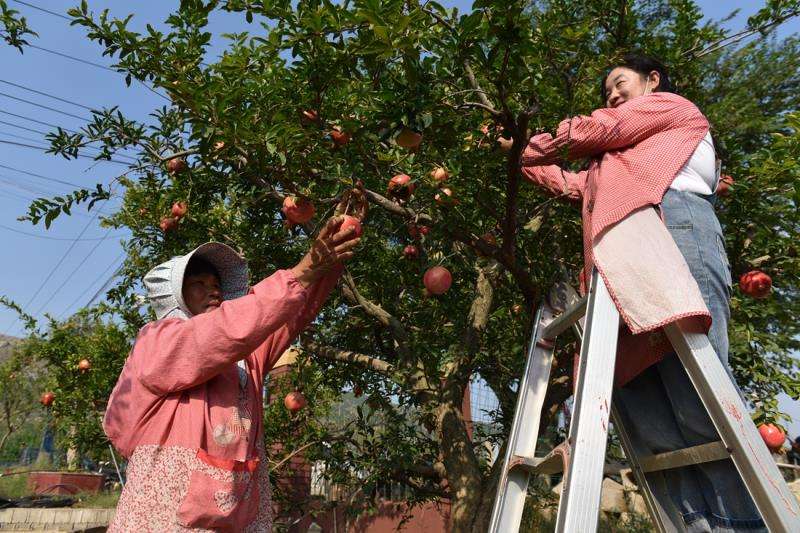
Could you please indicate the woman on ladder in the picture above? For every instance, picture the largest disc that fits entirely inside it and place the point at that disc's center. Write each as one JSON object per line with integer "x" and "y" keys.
{"x": 650, "y": 230}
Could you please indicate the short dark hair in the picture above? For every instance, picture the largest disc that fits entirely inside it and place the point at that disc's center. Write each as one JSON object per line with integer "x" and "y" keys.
{"x": 643, "y": 65}
{"x": 198, "y": 265}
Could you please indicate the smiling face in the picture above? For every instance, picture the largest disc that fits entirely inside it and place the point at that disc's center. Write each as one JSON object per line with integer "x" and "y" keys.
{"x": 623, "y": 84}
{"x": 201, "y": 292}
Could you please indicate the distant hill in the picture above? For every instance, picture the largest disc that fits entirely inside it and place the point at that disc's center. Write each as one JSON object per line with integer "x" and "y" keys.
{"x": 6, "y": 346}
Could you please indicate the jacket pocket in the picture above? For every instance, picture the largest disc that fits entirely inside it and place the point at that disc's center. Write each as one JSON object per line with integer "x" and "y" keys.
{"x": 219, "y": 497}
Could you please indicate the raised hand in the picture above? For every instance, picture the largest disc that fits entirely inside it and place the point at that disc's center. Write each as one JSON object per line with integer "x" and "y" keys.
{"x": 330, "y": 248}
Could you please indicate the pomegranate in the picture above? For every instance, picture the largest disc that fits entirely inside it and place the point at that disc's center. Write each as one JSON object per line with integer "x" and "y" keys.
{"x": 357, "y": 391}
{"x": 47, "y": 399}
{"x": 410, "y": 252}
{"x": 84, "y": 365}
{"x": 724, "y": 185}
{"x": 298, "y": 210}
{"x": 168, "y": 224}
{"x": 219, "y": 145}
{"x": 176, "y": 165}
{"x": 437, "y": 280}
{"x": 755, "y": 284}
{"x": 773, "y": 436}
{"x": 445, "y": 197}
{"x": 424, "y": 230}
{"x": 408, "y": 138}
{"x": 352, "y": 222}
{"x": 309, "y": 115}
{"x": 295, "y": 401}
{"x": 439, "y": 174}
{"x": 401, "y": 187}
{"x": 516, "y": 309}
{"x": 339, "y": 137}
{"x": 179, "y": 209}
{"x": 505, "y": 144}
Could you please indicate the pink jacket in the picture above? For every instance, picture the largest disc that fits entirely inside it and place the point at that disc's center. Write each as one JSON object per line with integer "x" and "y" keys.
{"x": 180, "y": 413}
{"x": 637, "y": 149}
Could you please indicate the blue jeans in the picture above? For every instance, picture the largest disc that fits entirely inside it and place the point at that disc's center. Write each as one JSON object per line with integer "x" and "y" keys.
{"x": 661, "y": 407}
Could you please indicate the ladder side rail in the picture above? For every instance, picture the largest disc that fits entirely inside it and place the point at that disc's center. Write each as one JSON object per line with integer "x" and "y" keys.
{"x": 777, "y": 505}
{"x": 663, "y": 521}
{"x": 513, "y": 485}
{"x": 580, "y": 497}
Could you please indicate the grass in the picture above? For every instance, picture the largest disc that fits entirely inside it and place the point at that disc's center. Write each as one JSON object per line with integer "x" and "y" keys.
{"x": 14, "y": 486}
{"x": 102, "y": 500}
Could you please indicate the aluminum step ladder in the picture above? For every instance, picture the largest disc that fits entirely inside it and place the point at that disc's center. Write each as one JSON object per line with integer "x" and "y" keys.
{"x": 582, "y": 456}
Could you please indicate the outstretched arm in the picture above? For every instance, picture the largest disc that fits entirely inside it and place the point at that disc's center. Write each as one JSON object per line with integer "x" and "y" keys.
{"x": 557, "y": 181}
{"x": 613, "y": 128}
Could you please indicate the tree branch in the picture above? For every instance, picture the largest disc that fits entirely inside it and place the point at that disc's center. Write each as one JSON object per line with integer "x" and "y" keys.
{"x": 336, "y": 354}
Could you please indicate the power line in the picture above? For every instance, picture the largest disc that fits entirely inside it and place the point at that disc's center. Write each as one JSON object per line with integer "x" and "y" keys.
{"x": 69, "y": 277}
{"x": 46, "y": 149}
{"x": 45, "y": 107}
{"x": 93, "y": 148}
{"x": 23, "y": 127}
{"x": 98, "y": 65}
{"x": 54, "y": 97}
{"x": 23, "y": 117}
{"x": 9, "y": 228}
{"x": 58, "y": 264}
{"x": 46, "y": 178}
{"x": 102, "y": 287}
{"x": 42, "y": 9}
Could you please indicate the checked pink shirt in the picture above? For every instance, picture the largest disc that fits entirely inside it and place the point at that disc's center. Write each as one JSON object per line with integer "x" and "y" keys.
{"x": 636, "y": 150}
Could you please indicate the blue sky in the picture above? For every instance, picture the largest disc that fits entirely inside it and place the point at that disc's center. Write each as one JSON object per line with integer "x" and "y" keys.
{"x": 86, "y": 264}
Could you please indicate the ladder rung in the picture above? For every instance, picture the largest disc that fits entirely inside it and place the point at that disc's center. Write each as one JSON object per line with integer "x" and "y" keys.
{"x": 704, "y": 453}
{"x": 566, "y": 319}
{"x": 552, "y": 463}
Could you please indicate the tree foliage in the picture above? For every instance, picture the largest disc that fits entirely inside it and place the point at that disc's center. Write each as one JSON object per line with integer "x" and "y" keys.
{"x": 504, "y": 69}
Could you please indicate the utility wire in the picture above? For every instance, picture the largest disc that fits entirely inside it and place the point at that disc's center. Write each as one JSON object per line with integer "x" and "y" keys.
{"x": 92, "y": 284}
{"x": 42, "y": 9}
{"x": 37, "y": 121}
{"x": 45, "y": 107}
{"x": 69, "y": 277}
{"x": 98, "y": 65}
{"x": 55, "y": 180}
{"x": 23, "y": 127}
{"x": 93, "y": 148}
{"x": 58, "y": 264}
{"x": 54, "y": 97}
{"x": 10, "y": 228}
{"x": 45, "y": 149}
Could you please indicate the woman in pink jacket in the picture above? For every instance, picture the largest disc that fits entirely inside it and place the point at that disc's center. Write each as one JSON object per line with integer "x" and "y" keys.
{"x": 651, "y": 232}
{"x": 186, "y": 410}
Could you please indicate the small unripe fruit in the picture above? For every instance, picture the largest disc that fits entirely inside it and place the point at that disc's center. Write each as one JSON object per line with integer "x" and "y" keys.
{"x": 410, "y": 252}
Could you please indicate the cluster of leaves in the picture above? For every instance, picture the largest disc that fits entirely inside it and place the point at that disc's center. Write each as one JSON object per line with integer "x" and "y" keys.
{"x": 371, "y": 69}
{"x": 13, "y": 28}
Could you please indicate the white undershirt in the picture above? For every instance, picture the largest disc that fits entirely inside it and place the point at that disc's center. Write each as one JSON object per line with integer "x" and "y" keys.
{"x": 699, "y": 174}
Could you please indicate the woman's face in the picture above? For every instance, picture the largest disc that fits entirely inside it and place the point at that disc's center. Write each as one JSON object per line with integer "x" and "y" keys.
{"x": 623, "y": 84}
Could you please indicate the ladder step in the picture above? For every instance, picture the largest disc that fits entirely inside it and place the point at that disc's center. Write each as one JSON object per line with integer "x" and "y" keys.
{"x": 704, "y": 453}
{"x": 552, "y": 463}
{"x": 565, "y": 320}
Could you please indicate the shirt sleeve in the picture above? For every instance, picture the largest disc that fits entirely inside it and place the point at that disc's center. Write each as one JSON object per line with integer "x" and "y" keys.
{"x": 557, "y": 181}
{"x": 266, "y": 355}
{"x": 611, "y": 128}
{"x": 173, "y": 354}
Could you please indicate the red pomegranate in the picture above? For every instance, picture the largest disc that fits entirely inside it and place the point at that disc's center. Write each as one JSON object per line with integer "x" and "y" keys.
{"x": 339, "y": 137}
{"x": 352, "y": 222}
{"x": 176, "y": 165}
{"x": 440, "y": 174}
{"x": 309, "y": 115}
{"x": 445, "y": 197}
{"x": 179, "y": 209}
{"x": 724, "y": 185}
{"x": 408, "y": 138}
{"x": 437, "y": 280}
{"x": 84, "y": 365}
{"x": 298, "y": 210}
{"x": 47, "y": 399}
{"x": 295, "y": 401}
{"x": 773, "y": 436}
{"x": 168, "y": 224}
{"x": 755, "y": 284}
{"x": 410, "y": 252}
{"x": 401, "y": 187}
{"x": 424, "y": 230}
